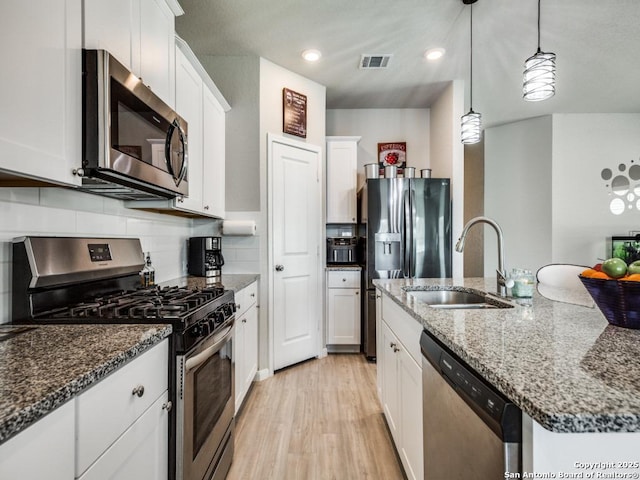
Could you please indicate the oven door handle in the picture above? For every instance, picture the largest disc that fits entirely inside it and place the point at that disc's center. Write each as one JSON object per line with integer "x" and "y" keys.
{"x": 218, "y": 341}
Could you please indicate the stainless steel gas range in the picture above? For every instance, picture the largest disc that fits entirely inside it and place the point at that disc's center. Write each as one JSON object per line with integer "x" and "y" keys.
{"x": 96, "y": 280}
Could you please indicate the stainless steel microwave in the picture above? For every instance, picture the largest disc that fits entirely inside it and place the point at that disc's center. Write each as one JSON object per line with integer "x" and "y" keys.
{"x": 134, "y": 146}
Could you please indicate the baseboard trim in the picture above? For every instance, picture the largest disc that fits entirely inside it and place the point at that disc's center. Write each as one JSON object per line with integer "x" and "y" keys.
{"x": 262, "y": 374}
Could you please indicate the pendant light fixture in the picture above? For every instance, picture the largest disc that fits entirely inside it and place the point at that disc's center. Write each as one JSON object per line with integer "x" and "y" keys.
{"x": 472, "y": 121}
{"x": 539, "y": 73}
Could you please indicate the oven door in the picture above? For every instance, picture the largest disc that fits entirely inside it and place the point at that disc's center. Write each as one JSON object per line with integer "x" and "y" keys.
{"x": 205, "y": 396}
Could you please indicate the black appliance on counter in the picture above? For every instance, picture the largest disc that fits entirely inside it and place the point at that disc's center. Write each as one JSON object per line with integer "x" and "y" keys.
{"x": 342, "y": 250}
{"x": 205, "y": 257}
{"x": 97, "y": 280}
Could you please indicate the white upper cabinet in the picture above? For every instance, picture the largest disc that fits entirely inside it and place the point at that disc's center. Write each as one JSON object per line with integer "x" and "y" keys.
{"x": 204, "y": 108}
{"x": 41, "y": 89}
{"x": 342, "y": 179}
{"x": 213, "y": 148}
{"x": 140, "y": 34}
{"x": 189, "y": 107}
{"x": 157, "y": 48}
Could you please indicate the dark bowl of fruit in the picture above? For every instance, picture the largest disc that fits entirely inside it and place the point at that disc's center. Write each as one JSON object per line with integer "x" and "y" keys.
{"x": 615, "y": 289}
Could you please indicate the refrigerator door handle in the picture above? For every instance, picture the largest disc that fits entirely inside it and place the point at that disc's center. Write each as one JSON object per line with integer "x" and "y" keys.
{"x": 406, "y": 235}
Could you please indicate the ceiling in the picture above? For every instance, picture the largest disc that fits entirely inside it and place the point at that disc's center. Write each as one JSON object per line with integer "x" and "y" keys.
{"x": 597, "y": 44}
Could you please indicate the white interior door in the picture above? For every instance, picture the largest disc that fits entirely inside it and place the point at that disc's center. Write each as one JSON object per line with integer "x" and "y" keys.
{"x": 296, "y": 218}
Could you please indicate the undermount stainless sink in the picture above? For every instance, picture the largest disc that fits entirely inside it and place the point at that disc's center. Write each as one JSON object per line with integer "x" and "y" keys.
{"x": 451, "y": 298}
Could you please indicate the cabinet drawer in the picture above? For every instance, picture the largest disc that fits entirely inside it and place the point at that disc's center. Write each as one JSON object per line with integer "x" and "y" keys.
{"x": 108, "y": 408}
{"x": 404, "y": 326}
{"x": 343, "y": 279}
{"x": 141, "y": 452}
{"x": 246, "y": 297}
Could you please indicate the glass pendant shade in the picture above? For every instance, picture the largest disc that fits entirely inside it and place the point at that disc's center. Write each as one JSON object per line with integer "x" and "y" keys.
{"x": 471, "y": 125}
{"x": 539, "y": 77}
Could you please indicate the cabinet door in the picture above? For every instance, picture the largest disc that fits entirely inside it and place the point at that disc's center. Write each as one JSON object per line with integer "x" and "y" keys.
{"x": 342, "y": 167}
{"x": 239, "y": 360}
{"x": 157, "y": 48}
{"x": 189, "y": 107}
{"x": 43, "y": 450}
{"x": 41, "y": 94}
{"x": 141, "y": 452}
{"x": 411, "y": 453}
{"x": 250, "y": 347}
{"x": 344, "y": 316}
{"x": 379, "y": 349}
{"x": 113, "y": 26}
{"x": 390, "y": 381}
{"x": 213, "y": 150}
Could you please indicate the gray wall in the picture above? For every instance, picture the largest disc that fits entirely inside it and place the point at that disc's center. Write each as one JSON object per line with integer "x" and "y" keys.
{"x": 518, "y": 193}
{"x": 238, "y": 78}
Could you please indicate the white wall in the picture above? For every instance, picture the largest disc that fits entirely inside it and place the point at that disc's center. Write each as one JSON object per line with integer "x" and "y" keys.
{"x": 518, "y": 193}
{"x": 543, "y": 184}
{"x": 447, "y": 156}
{"x": 379, "y": 125}
{"x": 584, "y": 145}
{"x": 62, "y": 212}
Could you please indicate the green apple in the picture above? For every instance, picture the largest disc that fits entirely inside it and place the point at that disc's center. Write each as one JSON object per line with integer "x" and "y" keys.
{"x": 614, "y": 267}
{"x": 634, "y": 267}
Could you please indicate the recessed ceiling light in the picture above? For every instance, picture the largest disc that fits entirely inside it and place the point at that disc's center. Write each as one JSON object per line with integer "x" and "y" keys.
{"x": 434, "y": 53}
{"x": 311, "y": 55}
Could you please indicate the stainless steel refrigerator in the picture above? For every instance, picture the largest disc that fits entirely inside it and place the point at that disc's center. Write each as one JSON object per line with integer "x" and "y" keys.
{"x": 405, "y": 232}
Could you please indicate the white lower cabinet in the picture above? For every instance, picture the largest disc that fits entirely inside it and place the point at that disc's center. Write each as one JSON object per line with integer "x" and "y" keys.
{"x": 112, "y": 411}
{"x": 142, "y": 450}
{"x": 400, "y": 384}
{"x": 44, "y": 450}
{"x": 245, "y": 341}
{"x": 117, "y": 429}
{"x": 343, "y": 308}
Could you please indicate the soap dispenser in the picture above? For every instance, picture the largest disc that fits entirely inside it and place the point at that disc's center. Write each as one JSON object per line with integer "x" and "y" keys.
{"x": 148, "y": 273}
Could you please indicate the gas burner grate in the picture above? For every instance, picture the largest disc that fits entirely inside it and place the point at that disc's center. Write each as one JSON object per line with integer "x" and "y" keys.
{"x": 144, "y": 303}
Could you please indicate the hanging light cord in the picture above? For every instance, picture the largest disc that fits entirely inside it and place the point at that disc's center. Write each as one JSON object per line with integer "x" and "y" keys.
{"x": 471, "y": 56}
{"x": 539, "y": 26}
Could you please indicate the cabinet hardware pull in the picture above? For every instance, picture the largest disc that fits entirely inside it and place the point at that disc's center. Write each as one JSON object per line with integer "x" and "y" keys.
{"x": 244, "y": 320}
{"x": 237, "y": 306}
{"x": 279, "y": 268}
{"x": 167, "y": 406}
{"x": 139, "y": 390}
{"x": 206, "y": 207}
{"x": 395, "y": 349}
{"x": 252, "y": 295}
{"x": 392, "y": 345}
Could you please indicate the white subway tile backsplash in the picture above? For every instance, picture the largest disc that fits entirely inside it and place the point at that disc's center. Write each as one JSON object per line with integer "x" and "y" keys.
{"x": 71, "y": 200}
{"x": 97, "y": 224}
{"x": 21, "y": 218}
{"x": 20, "y": 195}
{"x": 247, "y": 255}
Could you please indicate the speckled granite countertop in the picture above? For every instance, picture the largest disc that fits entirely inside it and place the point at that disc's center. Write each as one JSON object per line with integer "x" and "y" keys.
{"x": 343, "y": 268}
{"x": 231, "y": 281}
{"x": 43, "y": 368}
{"x": 562, "y": 363}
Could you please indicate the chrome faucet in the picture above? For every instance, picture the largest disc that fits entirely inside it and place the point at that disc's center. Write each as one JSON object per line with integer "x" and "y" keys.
{"x": 502, "y": 283}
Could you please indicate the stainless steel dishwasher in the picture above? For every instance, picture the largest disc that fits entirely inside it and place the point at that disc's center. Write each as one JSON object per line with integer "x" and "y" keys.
{"x": 471, "y": 431}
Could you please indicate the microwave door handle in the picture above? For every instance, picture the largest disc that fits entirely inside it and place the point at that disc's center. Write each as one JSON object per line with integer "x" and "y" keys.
{"x": 167, "y": 149}
{"x": 173, "y": 129}
{"x": 335, "y": 255}
{"x": 350, "y": 255}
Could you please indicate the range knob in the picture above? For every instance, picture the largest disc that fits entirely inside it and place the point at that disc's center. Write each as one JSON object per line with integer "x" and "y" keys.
{"x": 200, "y": 330}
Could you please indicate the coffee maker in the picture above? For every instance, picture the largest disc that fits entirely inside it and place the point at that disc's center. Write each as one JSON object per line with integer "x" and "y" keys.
{"x": 205, "y": 257}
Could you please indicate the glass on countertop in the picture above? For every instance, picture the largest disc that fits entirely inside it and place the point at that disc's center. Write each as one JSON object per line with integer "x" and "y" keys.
{"x": 523, "y": 283}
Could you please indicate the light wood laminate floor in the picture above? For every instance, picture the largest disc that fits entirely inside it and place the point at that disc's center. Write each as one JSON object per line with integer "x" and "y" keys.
{"x": 317, "y": 420}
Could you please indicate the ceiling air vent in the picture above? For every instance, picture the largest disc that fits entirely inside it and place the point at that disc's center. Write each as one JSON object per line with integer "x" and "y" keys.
{"x": 375, "y": 61}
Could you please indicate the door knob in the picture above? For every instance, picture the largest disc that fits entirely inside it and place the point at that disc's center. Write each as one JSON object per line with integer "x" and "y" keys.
{"x": 279, "y": 268}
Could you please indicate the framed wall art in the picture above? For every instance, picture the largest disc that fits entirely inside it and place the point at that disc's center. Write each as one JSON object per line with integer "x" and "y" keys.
{"x": 392, "y": 154}
{"x": 294, "y": 113}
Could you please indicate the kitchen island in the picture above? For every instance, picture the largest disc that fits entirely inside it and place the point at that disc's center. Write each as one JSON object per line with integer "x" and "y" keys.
{"x": 575, "y": 377}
